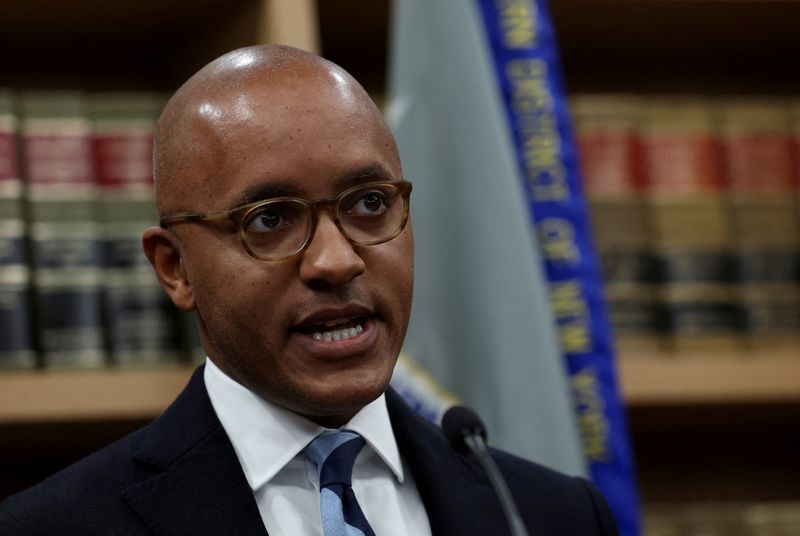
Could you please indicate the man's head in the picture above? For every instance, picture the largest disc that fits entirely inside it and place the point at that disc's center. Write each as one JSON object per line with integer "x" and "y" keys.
{"x": 264, "y": 122}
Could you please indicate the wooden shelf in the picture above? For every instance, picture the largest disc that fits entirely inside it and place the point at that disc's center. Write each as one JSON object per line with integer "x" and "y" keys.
{"x": 685, "y": 379}
{"x": 57, "y": 396}
{"x": 60, "y": 396}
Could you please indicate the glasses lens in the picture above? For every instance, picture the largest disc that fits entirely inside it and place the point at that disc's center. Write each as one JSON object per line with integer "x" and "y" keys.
{"x": 276, "y": 229}
{"x": 372, "y": 214}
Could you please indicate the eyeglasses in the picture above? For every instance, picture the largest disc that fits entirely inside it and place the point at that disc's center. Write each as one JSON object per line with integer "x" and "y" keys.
{"x": 279, "y": 228}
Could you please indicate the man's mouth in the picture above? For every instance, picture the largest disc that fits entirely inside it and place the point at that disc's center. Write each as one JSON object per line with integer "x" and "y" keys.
{"x": 338, "y": 333}
{"x": 336, "y": 324}
{"x": 337, "y": 330}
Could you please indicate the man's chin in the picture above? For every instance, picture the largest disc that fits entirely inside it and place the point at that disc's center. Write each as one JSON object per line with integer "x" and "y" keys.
{"x": 335, "y": 408}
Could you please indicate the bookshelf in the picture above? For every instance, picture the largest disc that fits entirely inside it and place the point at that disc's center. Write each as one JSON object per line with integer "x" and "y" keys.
{"x": 693, "y": 415}
{"x": 126, "y": 45}
{"x": 660, "y": 380}
{"x": 707, "y": 426}
{"x": 708, "y": 46}
{"x": 73, "y": 395}
{"x": 665, "y": 379}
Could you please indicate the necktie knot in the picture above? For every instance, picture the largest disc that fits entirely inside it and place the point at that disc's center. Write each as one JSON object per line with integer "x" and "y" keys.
{"x": 334, "y": 453}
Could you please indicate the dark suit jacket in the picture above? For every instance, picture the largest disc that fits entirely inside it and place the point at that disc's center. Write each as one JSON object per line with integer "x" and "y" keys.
{"x": 180, "y": 475}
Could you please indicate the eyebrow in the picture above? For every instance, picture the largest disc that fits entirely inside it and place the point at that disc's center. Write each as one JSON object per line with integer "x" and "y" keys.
{"x": 288, "y": 188}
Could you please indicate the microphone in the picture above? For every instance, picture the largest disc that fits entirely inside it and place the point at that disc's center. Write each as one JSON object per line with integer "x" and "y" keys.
{"x": 466, "y": 433}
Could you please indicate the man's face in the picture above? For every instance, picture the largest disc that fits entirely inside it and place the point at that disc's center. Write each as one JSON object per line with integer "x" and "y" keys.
{"x": 258, "y": 319}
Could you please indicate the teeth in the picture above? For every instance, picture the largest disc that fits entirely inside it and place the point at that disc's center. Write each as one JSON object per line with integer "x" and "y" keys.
{"x": 338, "y": 334}
{"x": 333, "y": 323}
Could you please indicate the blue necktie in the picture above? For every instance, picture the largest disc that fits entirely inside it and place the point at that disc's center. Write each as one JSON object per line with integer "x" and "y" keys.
{"x": 333, "y": 453}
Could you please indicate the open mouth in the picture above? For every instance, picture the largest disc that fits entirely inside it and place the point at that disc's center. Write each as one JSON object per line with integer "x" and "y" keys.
{"x": 339, "y": 329}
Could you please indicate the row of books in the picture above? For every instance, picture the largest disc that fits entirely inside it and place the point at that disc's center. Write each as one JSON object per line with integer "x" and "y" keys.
{"x": 76, "y": 192}
{"x": 694, "y": 206}
{"x": 780, "y": 518}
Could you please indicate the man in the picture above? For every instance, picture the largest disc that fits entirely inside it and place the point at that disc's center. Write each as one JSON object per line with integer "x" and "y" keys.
{"x": 284, "y": 226}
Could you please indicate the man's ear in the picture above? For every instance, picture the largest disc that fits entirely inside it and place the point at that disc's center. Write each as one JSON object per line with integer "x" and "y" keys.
{"x": 164, "y": 252}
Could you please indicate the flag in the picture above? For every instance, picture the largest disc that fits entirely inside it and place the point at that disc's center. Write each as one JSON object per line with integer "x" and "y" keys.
{"x": 508, "y": 311}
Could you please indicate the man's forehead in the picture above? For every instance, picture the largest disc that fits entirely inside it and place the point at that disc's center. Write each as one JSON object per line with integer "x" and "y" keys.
{"x": 253, "y": 84}
{"x": 268, "y": 101}
{"x": 243, "y": 107}
{"x": 271, "y": 77}
{"x": 293, "y": 187}
{"x": 275, "y": 90}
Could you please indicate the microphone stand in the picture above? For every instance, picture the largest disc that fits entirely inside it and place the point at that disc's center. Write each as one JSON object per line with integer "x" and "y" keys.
{"x": 477, "y": 445}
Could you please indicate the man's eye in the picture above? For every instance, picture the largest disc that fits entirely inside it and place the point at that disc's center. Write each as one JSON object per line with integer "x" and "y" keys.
{"x": 269, "y": 219}
{"x": 369, "y": 203}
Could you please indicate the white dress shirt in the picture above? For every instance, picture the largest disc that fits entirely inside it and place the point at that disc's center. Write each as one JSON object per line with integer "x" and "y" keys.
{"x": 268, "y": 441}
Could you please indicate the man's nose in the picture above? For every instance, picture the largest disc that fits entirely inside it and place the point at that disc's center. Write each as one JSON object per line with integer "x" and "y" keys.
{"x": 329, "y": 257}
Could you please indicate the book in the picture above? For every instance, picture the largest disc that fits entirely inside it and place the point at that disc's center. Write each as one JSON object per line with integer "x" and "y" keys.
{"x": 762, "y": 181}
{"x": 722, "y": 518}
{"x": 140, "y": 322}
{"x": 608, "y": 142}
{"x": 16, "y": 330}
{"x": 778, "y": 518}
{"x": 690, "y": 227}
{"x": 714, "y": 519}
{"x": 64, "y": 228}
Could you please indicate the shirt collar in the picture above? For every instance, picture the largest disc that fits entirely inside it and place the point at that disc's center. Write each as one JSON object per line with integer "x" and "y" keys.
{"x": 266, "y": 436}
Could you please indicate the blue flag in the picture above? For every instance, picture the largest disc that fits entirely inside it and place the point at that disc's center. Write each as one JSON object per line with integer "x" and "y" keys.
{"x": 508, "y": 310}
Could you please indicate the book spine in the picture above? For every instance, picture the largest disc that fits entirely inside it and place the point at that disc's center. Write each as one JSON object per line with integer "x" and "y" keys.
{"x": 731, "y": 518}
{"x": 761, "y": 182}
{"x": 607, "y": 133}
{"x": 141, "y": 322}
{"x": 65, "y": 233}
{"x": 16, "y": 331}
{"x": 691, "y": 231}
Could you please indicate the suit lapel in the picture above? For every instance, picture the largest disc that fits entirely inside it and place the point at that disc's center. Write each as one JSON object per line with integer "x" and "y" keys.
{"x": 191, "y": 482}
{"x": 456, "y": 493}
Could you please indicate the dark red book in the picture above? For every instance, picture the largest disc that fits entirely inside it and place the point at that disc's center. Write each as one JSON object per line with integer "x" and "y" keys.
{"x": 610, "y": 156}
{"x": 691, "y": 232}
{"x": 65, "y": 231}
{"x": 762, "y": 181}
{"x": 140, "y": 321}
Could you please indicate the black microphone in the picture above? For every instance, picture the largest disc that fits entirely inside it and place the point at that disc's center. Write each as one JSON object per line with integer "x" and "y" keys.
{"x": 466, "y": 433}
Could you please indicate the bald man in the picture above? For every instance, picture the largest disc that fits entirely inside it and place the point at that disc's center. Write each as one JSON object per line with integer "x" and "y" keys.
{"x": 285, "y": 228}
